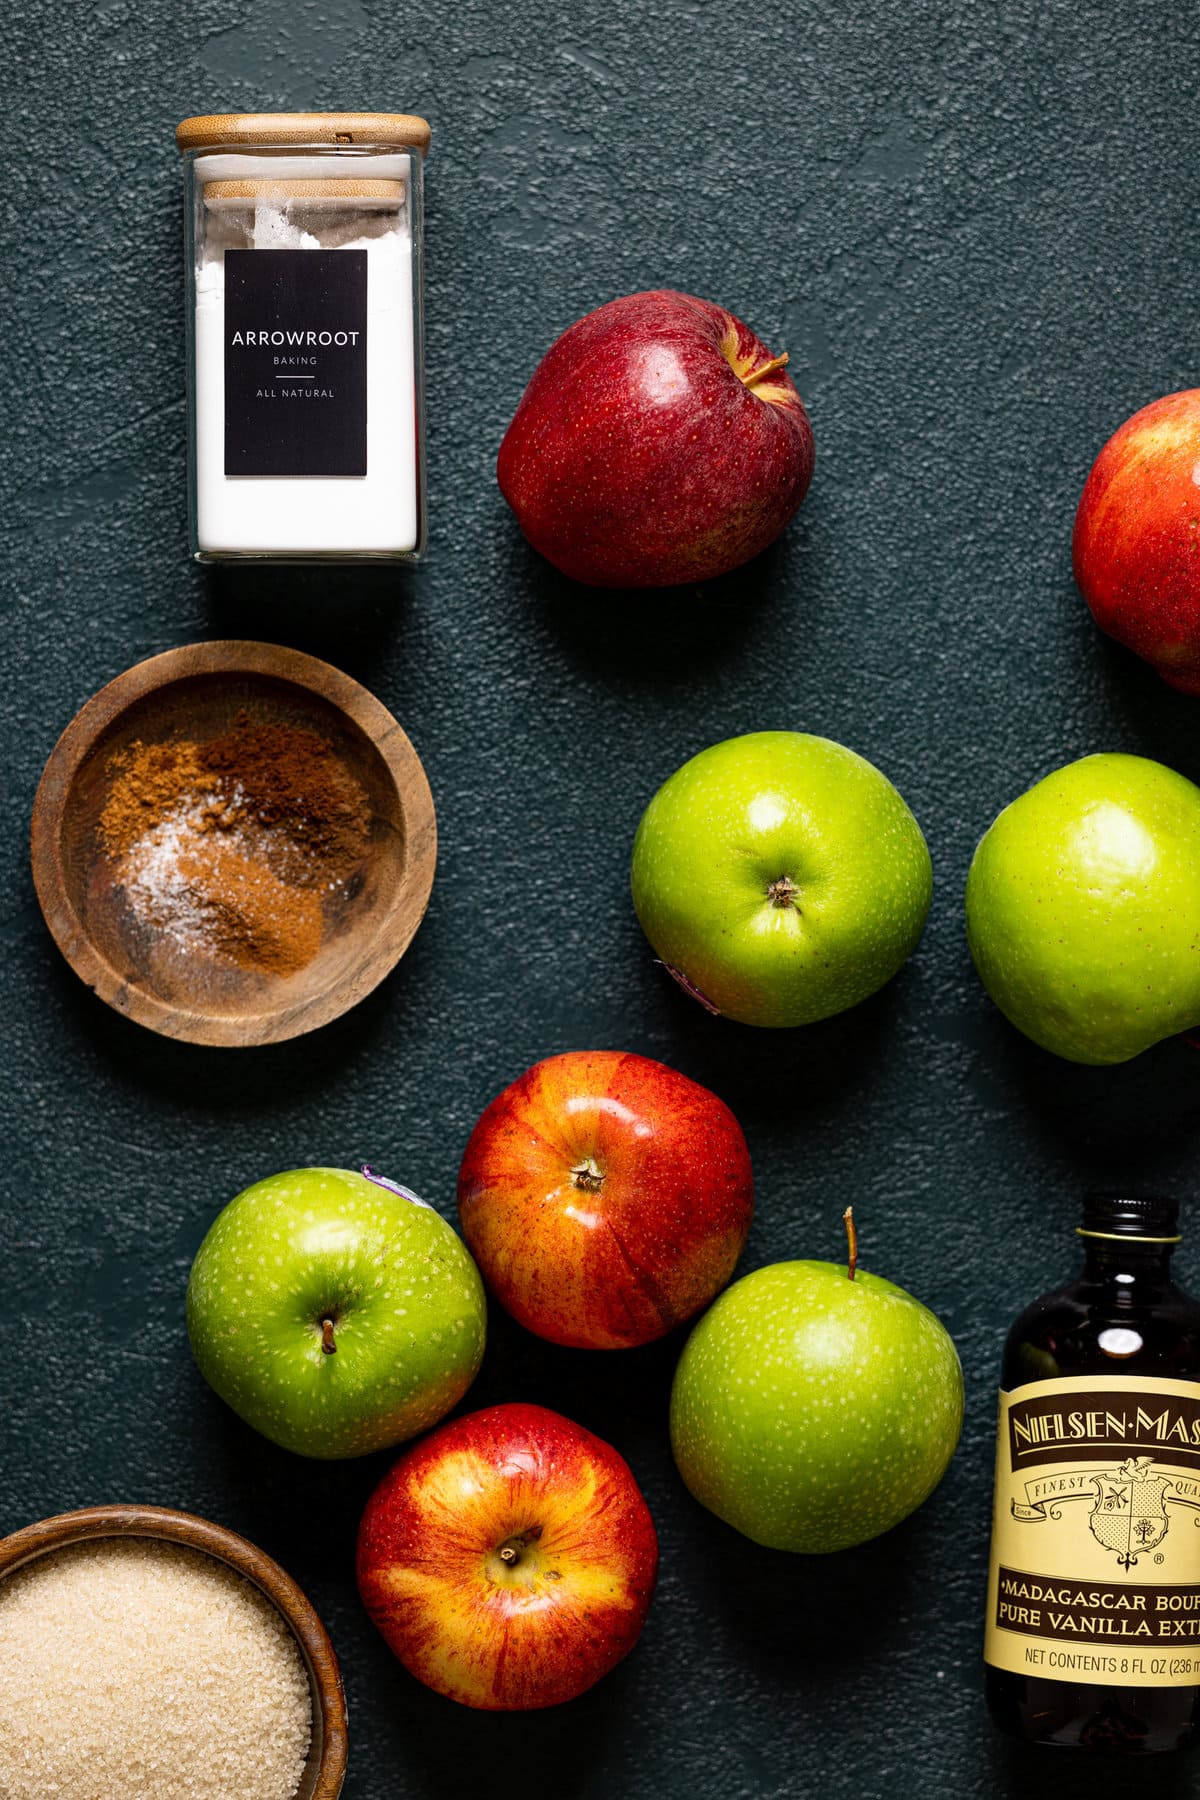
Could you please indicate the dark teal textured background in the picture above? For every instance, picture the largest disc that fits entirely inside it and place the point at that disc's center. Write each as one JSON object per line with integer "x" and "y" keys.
{"x": 974, "y": 229}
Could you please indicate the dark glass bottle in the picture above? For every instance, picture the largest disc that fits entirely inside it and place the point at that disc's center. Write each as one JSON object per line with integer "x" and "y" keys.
{"x": 1093, "y": 1637}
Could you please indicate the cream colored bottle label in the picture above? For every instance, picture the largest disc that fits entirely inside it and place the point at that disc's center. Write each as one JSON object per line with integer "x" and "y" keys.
{"x": 1095, "y": 1565}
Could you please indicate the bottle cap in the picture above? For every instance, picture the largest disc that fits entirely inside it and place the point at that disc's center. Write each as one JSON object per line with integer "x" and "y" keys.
{"x": 1148, "y": 1218}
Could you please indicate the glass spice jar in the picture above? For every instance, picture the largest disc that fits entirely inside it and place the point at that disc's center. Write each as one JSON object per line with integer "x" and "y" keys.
{"x": 303, "y": 249}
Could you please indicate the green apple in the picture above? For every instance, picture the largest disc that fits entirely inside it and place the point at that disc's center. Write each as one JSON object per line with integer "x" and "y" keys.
{"x": 335, "y": 1312}
{"x": 813, "y": 1409}
{"x": 780, "y": 877}
{"x": 1083, "y": 908}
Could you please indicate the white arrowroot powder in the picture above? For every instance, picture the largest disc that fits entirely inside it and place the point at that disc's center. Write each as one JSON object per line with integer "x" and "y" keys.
{"x": 376, "y": 513}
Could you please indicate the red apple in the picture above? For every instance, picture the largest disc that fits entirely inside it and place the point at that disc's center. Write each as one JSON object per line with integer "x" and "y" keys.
{"x": 606, "y": 1198}
{"x": 508, "y": 1559}
{"x": 1136, "y": 547}
{"x": 659, "y": 441}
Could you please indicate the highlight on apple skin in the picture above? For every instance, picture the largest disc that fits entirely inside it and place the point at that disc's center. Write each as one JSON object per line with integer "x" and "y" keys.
{"x": 606, "y": 1198}
{"x": 1136, "y": 544}
{"x": 508, "y": 1559}
{"x": 659, "y": 441}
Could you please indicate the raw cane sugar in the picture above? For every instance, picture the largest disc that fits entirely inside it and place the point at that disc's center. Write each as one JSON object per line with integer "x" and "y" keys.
{"x": 138, "y": 1670}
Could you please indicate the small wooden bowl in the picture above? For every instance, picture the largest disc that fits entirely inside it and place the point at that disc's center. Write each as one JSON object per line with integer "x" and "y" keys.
{"x": 199, "y": 692}
{"x": 325, "y": 1770}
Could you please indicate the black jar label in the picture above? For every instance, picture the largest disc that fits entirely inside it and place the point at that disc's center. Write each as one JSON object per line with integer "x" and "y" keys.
{"x": 295, "y": 362}
{"x": 1095, "y": 1565}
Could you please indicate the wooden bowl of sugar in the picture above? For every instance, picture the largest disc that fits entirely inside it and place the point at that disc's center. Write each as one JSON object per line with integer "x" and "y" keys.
{"x": 136, "y": 1641}
{"x": 233, "y": 843}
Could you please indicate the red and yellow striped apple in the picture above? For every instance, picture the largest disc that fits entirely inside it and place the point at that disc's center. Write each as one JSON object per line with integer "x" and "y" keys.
{"x": 606, "y": 1198}
{"x": 508, "y": 1559}
{"x": 1136, "y": 547}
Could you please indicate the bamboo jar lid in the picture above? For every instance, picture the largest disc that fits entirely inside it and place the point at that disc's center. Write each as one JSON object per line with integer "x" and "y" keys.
{"x": 374, "y": 196}
{"x": 233, "y": 131}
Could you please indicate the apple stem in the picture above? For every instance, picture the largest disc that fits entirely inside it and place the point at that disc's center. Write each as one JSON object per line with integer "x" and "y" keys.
{"x": 511, "y": 1549}
{"x": 768, "y": 368}
{"x": 328, "y": 1341}
{"x": 852, "y": 1241}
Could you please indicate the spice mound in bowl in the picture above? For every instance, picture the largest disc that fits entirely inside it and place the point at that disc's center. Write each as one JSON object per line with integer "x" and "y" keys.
{"x": 235, "y": 846}
{"x": 141, "y": 1668}
{"x": 233, "y": 843}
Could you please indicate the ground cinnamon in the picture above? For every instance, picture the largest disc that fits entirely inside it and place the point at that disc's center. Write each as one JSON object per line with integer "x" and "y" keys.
{"x": 148, "y": 780}
{"x": 235, "y": 846}
{"x": 299, "y": 788}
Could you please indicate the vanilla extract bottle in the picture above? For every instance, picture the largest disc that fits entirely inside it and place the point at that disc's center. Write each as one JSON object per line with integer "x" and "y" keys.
{"x": 1093, "y": 1607}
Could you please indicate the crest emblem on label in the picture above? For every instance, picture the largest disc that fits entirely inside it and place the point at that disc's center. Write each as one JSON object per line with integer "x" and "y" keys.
{"x": 1130, "y": 1514}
